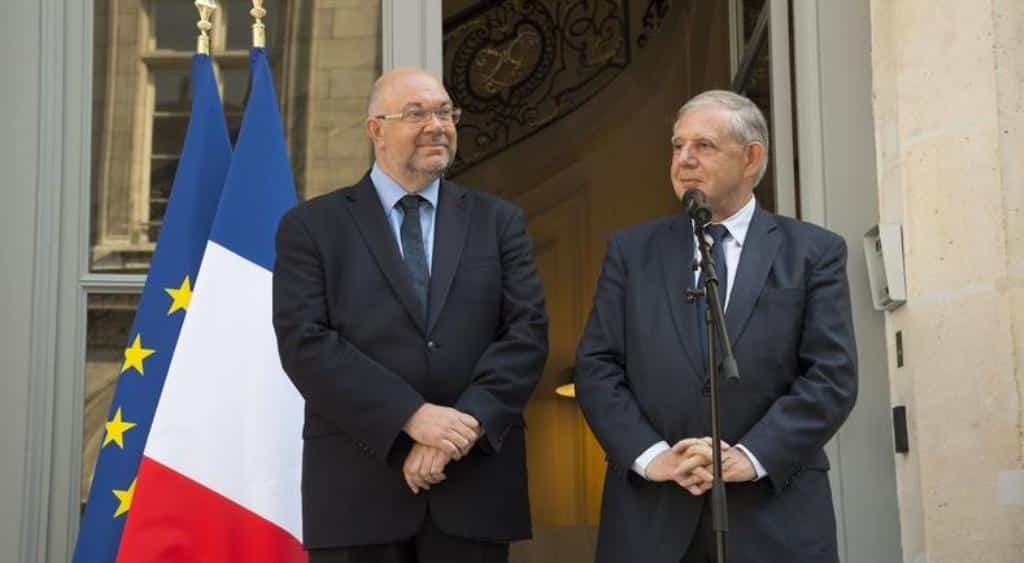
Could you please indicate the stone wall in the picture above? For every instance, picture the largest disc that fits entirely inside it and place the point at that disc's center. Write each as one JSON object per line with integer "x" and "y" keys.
{"x": 345, "y": 60}
{"x": 949, "y": 109}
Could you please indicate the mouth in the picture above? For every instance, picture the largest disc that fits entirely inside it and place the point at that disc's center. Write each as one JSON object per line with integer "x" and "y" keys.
{"x": 433, "y": 147}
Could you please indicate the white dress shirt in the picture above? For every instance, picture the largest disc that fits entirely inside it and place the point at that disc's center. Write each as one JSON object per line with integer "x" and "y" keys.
{"x": 737, "y": 224}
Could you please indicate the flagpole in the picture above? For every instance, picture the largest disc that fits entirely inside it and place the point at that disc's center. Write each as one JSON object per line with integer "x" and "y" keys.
{"x": 206, "y": 9}
{"x": 259, "y": 31}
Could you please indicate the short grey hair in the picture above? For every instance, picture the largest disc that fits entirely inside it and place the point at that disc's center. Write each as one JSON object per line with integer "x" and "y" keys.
{"x": 746, "y": 122}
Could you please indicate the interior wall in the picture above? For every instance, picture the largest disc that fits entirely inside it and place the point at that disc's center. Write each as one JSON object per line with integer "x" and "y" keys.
{"x": 616, "y": 147}
{"x": 601, "y": 168}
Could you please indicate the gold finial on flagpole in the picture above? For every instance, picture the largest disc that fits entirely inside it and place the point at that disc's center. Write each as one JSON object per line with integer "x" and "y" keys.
{"x": 259, "y": 31}
{"x": 206, "y": 9}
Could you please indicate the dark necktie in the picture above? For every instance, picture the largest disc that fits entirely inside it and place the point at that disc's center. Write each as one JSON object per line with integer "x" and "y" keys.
{"x": 717, "y": 233}
{"x": 415, "y": 257}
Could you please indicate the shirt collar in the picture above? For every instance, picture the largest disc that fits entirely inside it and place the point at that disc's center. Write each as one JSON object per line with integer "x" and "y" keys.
{"x": 739, "y": 223}
{"x": 389, "y": 191}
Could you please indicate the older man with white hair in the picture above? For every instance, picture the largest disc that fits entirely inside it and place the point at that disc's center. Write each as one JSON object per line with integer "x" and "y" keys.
{"x": 641, "y": 363}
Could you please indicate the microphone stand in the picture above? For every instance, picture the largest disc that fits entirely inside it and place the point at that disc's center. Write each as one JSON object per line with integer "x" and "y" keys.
{"x": 714, "y": 320}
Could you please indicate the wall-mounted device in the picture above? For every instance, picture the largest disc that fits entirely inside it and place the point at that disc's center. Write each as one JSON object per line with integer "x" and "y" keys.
{"x": 883, "y": 248}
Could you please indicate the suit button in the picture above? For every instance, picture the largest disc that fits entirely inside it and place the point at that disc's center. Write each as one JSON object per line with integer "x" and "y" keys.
{"x": 432, "y": 345}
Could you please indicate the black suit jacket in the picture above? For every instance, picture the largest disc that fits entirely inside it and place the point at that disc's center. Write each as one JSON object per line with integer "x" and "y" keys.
{"x": 640, "y": 380}
{"x": 352, "y": 339}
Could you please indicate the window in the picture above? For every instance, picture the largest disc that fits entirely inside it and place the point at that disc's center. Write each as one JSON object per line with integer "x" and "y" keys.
{"x": 324, "y": 60}
{"x": 147, "y": 111}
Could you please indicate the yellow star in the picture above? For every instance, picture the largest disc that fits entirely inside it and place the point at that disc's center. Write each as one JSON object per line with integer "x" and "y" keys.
{"x": 116, "y": 429}
{"x": 124, "y": 498}
{"x": 181, "y": 296}
{"x": 134, "y": 354}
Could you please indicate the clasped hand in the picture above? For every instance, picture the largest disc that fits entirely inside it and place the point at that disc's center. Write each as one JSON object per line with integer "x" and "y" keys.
{"x": 442, "y": 434}
{"x": 688, "y": 463}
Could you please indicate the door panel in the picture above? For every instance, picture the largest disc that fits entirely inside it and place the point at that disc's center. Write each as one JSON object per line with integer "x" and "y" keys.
{"x": 565, "y": 463}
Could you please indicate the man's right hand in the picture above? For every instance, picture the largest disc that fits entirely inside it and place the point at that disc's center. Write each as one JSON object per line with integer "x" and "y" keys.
{"x": 444, "y": 428}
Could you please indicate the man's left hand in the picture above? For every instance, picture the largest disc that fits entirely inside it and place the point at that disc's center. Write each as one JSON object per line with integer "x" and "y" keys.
{"x": 736, "y": 466}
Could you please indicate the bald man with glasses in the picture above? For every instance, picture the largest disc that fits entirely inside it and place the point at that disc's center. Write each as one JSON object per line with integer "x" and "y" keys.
{"x": 410, "y": 316}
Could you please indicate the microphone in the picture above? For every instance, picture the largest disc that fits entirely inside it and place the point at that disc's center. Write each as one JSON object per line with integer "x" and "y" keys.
{"x": 695, "y": 203}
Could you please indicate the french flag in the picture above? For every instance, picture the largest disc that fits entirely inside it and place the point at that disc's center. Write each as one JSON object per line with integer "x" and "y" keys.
{"x": 220, "y": 474}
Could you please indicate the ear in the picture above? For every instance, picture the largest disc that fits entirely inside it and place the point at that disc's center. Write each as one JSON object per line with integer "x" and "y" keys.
{"x": 372, "y": 128}
{"x": 755, "y": 155}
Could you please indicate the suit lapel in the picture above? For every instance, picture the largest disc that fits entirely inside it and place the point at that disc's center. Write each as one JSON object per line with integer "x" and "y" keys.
{"x": 759, "y": 250}
{"x": 373, "y": 225}
{"x": 451, "y": 224}
{"x": 677, "y": 266}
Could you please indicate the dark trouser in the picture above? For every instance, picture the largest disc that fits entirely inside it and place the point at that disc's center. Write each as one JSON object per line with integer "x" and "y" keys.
{"x": 430, "y": 545}
{"x": 702, "y": 546}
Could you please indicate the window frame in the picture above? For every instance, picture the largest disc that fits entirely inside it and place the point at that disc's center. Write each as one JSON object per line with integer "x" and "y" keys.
{"x": 53, "y": 465}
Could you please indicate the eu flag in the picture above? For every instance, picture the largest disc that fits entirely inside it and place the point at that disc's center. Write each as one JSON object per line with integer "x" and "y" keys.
{"x": 165, "y": 299}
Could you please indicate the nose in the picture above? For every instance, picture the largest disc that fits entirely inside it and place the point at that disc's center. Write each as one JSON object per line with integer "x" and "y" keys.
{"x": 686, "y": 156}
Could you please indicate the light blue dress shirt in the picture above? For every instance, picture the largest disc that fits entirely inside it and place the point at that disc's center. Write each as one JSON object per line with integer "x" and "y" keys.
{"x": 390, "y": 192}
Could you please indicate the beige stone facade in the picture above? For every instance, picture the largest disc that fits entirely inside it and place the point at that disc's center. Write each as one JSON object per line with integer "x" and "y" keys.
{"x": 345, "y": 58}
{"x": 949, "y": 119}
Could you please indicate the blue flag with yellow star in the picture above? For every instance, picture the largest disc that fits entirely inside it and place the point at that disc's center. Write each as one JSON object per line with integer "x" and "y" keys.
{"x": 195, "y": 194}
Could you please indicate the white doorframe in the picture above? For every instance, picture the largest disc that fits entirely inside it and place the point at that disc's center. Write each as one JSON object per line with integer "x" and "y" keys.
{"x": 782, "y": 109}
{"x": 832, "y": 65}
{"x": 412, "y": 35}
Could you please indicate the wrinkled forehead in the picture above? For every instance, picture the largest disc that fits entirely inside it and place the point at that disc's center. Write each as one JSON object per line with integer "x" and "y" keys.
{"x": 703, "y": 121}
{"x": 415, "y": 90}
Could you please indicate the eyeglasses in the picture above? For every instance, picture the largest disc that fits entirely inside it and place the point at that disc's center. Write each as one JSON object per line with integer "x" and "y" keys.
{"x": 418, "y": 115}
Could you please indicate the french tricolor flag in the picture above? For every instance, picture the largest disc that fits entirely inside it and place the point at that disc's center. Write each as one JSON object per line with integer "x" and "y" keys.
{"x": 220, "y": 474}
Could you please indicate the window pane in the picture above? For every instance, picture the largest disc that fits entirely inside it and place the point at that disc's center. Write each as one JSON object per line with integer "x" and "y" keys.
{"x": 161, "y": 176}
{"x": 236, "y": 88}
{"x": 169, "y": 134}
{"x": 172, "y": 90}
{"x": 323, "y": 67}
{"x": 119, "y": 88}
{"x": 109, "y": 320}
{"x": 170, "y": 122}
{"x": 174, "y": 23}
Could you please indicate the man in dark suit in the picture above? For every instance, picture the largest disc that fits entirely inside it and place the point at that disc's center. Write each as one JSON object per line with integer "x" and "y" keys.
{"x": 641, "y": 364}
{"x": 410, "y": 316}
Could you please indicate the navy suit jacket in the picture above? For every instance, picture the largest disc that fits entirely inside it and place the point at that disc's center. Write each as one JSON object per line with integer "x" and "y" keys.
{"x": 353, "y": 340}
{"x": 640, "y": 379}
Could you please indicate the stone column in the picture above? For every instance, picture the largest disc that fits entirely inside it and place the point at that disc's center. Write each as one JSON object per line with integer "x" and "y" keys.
{"x": 949, "y": 118}
{"x": 345, "y": 61}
